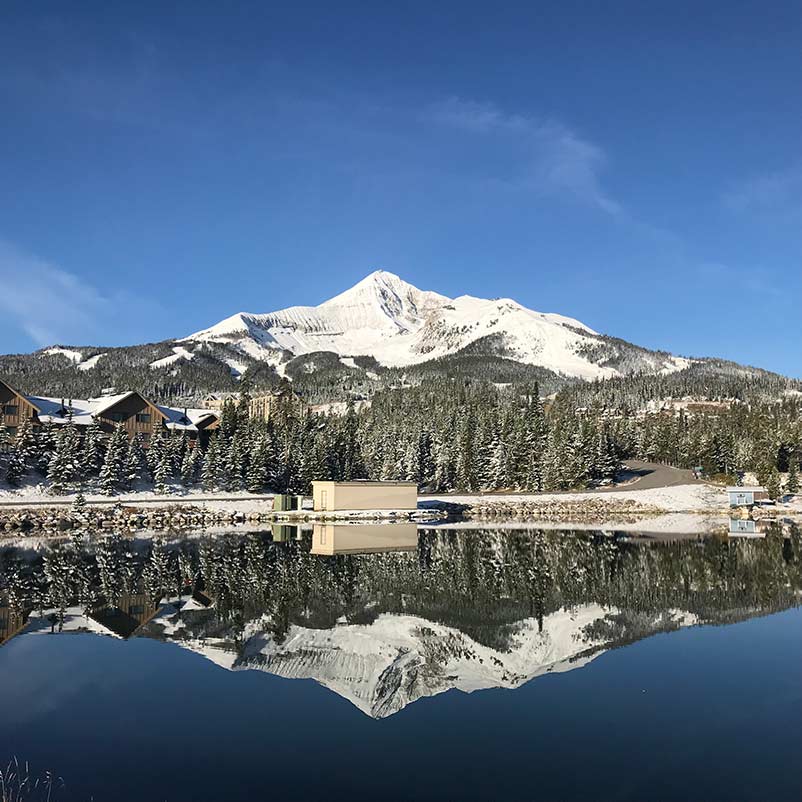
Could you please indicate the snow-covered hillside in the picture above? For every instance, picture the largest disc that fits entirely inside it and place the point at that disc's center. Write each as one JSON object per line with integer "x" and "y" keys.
{"x": 385, "y": 317}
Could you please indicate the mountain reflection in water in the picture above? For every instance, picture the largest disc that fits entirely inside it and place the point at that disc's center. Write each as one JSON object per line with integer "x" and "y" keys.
{"x": 386, "y": 614}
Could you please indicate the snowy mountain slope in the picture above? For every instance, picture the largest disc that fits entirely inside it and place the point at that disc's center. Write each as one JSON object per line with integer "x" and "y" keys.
{"x": 382, "y": 333}
{"x": 385, "y": 317}
{"x": 397, "y": 659}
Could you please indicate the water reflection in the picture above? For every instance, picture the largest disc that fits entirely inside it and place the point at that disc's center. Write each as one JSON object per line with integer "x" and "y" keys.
{"x": 363, "y": 538}
{"x": 387, "y": 614}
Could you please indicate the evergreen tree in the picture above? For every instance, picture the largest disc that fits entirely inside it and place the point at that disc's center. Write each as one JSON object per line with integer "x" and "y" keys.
{"x": 163, "y": 471}
{"x": 211, "y": 466}
{"x": 792, "y": 483}
{"x": 112, "y": 474}
{"x": 92, "y": 450}
{"x": 190, "y": 466}
{"x": 63, "y": 466}
{"x": 773, "y": 486}
{"x": 136, "y": 461}
{"x": 22, "y": 454}
{"x": 258, "y": 468}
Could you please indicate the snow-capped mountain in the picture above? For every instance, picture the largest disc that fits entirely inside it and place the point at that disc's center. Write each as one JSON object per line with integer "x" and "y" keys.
{"x": 382, "y": 333}
{"x": 386, "y": 318}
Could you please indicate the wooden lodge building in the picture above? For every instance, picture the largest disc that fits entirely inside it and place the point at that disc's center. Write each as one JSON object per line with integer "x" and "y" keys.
{"x": 131, "y": 410}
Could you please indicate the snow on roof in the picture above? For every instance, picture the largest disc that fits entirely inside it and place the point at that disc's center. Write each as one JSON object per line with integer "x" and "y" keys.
{"x": 62, "y": 410}
{"x": 83, "y": 411}
{"x": 185, "y": 419}
{"x": 750, "y": 489}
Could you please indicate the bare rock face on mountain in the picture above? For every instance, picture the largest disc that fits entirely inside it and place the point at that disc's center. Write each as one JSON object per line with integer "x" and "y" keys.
{"x": 397, "y": 324}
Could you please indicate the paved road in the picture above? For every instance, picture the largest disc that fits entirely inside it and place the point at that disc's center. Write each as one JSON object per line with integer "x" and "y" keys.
{"x": 652, "y": 475}
{"x": 649, "y": 475}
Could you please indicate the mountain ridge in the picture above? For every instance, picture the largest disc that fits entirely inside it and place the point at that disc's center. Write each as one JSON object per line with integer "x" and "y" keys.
{"x": 382, "y": 333}
{"x": 398, "y": 324}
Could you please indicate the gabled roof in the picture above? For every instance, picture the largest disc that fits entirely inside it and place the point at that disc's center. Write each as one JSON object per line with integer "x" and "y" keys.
{"x": 12, "y": 390}
{"x": 186, "y": 419}
{"x": 105, "y": 403}
{"x": 82, "y": 411}
{"x": 60, "y": 410}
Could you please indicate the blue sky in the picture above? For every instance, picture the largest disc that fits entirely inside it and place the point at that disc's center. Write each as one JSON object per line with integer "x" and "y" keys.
{"x": 634, "y": 165}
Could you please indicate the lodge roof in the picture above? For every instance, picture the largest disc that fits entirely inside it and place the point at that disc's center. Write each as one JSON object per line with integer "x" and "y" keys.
{"x": 185, "y": 419}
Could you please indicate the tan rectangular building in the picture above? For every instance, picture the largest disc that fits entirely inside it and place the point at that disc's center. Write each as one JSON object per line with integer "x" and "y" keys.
{"x": 364, "y": 495}
{"x": 364, "y": 538}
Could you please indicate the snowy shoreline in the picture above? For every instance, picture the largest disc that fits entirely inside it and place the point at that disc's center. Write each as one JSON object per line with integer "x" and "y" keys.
{"x": 689, "y": 508}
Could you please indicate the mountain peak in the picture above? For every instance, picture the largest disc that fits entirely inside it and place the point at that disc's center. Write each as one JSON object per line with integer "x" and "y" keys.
{"x": 376, "y": 283}
{"x": 398, "y": 324}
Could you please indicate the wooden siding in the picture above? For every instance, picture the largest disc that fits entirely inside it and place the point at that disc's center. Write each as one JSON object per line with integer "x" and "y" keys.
{"x": 10, "y": 398}
{"x": 12, "y": 622}
{"x": 125, "y": 413}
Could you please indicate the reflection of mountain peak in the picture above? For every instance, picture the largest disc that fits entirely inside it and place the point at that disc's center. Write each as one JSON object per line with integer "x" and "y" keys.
{"x": 398, "y": 659}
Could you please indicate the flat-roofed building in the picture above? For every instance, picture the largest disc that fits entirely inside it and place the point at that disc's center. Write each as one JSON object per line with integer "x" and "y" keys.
{"x": 364, "y": 495}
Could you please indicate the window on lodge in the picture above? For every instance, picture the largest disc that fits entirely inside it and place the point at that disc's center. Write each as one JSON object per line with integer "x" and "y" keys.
{"x": 117, "y": 417}
{"x": 143, "y": 417}
{"x": 10, "y": 409}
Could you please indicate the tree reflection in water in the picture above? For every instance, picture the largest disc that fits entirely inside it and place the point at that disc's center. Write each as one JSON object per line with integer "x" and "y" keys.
{"x": 453, "y": 608}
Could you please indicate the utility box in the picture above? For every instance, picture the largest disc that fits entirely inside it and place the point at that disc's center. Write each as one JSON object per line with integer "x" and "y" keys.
{"x": 364, "y": 495}
{"x": 283, "y": 502}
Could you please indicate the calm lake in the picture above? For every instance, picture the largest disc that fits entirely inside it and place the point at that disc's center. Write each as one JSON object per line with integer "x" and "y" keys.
{"x": 404, "y": 662}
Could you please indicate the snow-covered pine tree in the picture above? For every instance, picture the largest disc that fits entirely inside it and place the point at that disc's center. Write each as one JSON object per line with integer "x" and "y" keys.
{"x": 112, "y": 474}
{"x": 22, "y": 455}
{"x": 62, "y": 468}
{"x": 190, "y": 466}
{"x": 211, "y": 465}
{"x": 93, "y": 449}
{"x": 256, "y": 478}
{"x": 136, "y": 461}
{"x": 157, "y": 448}
{"x": 233, "y": 465}
{"x": 163, "y": 471}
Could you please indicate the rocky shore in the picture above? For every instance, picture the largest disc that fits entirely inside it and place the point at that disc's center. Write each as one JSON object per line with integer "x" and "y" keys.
{"x": 183, "y": 516}
{"x": 552, "y": 510}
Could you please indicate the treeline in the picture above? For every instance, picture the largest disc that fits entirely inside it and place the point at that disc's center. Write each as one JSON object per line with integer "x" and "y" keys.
{"x": 444, "y": 435}
{"x": 481, "y": 582}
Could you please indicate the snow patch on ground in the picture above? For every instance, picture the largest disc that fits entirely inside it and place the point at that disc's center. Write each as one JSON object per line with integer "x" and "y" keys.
{"x": 237, "y": 368}
{"x": 680, "y": 498}
{"x": 90, "y": 363}
{"x": 73, "y": 356}
{"x": 179, "y": 352}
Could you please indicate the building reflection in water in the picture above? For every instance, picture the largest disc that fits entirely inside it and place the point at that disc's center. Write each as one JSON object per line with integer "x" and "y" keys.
{"x": 385, "y": 614}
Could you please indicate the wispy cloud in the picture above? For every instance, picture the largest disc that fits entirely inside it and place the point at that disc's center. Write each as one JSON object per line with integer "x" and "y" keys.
{"x": 52, "y": 305}
{"x": 555, "y": 159}
{"x": 776, "y": 192}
